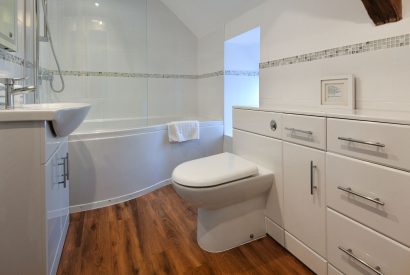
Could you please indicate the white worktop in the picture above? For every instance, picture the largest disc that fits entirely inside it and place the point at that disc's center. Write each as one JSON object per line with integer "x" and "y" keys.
{"x": 366, "y": 115}
{"x": 39, "y": 112}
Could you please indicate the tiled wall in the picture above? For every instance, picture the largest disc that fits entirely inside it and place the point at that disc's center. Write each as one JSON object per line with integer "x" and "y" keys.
{"x": 153, "y": 65}
{"x": 210, "y": 89}
{"x": 20, "y": 63}
{"x": 379, "y": 66}
{"x": 304, "y": 41}
{"x": 128, "y": 58}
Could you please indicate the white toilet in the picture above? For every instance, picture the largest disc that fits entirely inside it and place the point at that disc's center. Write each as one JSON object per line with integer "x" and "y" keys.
{"x": 230, "y": 193}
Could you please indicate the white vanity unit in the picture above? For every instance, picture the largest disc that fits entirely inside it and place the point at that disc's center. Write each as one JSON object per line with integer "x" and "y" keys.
{"x": 34, "y": 187}
{"x": 343, "y": 190}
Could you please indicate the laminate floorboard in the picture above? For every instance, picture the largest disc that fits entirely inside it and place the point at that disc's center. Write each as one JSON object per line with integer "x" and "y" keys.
{"x": 156, "y": 234}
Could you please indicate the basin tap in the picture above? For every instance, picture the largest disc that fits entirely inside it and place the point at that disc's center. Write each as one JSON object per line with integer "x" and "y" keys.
{"x": 10, "y": 90}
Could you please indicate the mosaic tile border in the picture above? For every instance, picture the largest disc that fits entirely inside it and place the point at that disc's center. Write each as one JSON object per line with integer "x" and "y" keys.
{"x": 209, "y": 75}
{"x": 47, "y": 73}
{"x": 118, "y": 74}
{"x": 374, "y": 45}
{"x": 369, "y": 46}
{"x": 242, "y": 73}
{"x": 6, "y": 56}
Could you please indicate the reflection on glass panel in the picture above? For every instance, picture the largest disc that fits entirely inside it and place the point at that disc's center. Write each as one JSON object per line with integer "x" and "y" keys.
{"x": 8, "y": 24}
{"x": 101, "y": 46}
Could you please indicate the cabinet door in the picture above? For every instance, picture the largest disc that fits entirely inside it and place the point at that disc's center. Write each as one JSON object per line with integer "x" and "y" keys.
{"x": 63, "y": 193}
{"x": 52, "y": 176}
{"x": 57, "y": 205}
{"x": 304, "y": 195}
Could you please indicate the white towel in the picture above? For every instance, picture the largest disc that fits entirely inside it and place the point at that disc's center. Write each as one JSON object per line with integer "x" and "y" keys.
{"x": 179, "y": 131}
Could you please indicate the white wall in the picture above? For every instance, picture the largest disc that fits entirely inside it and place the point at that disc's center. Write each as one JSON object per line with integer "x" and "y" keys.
{"x": 211, "y": 89}
{"x": 172, "y": 49}
{"x": 295, "y": 27}
{"x": 242, "y": 56}
{"x": 124, "y": 37}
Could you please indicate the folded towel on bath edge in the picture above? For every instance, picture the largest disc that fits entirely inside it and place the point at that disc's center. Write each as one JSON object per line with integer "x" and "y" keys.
{"x": 179, "y": 131}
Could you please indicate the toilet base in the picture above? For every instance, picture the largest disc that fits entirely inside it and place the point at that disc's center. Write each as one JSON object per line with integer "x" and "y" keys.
{"x": 225, "y": 228}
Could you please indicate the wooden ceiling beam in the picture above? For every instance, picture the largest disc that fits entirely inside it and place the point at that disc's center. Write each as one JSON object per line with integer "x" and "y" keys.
{"x": 384, "y": 11}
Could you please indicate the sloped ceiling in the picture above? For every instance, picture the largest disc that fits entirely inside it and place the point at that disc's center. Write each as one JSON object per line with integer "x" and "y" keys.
{"x": 204, "y": 16}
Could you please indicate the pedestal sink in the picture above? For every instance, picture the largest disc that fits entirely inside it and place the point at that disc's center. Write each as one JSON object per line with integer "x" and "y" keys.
{"x": 64, "y": 117}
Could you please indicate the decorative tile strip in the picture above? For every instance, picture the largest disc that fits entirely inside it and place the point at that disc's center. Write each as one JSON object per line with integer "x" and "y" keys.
{"x": 6, "y": 56}
{"x": 209, "y": 75}
{"x": 118, "y": 74}
{"x": 143, "y": 75}
{"x": 242, "y": 73}
{"x": 175, "y": 76}
{"x": 380, "y": 44}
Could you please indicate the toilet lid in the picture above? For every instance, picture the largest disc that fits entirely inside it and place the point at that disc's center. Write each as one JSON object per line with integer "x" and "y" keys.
{"x": 213, "y": 170}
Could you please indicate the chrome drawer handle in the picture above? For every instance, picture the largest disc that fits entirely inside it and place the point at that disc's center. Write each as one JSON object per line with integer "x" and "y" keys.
{"x": 372, "y": 143}
{"x": 299, "y": 131}
{"x": 350, "y": 191}
{"x": 349, "y": 252}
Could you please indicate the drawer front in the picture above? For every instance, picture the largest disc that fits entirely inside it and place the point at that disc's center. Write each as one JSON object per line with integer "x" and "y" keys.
{"x": 305, "y": 130}
{"x": 258, "y": 122}
{"x": 388, "y": 144}
{"x": 359, "y": 241}
{"x": 305, "y": 255}
{"x": 389, "y": 215}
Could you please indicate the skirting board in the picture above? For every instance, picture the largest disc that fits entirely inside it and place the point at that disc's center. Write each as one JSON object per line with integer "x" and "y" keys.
{"x": 112, "y": 201}
{"x": 275, "y": 231}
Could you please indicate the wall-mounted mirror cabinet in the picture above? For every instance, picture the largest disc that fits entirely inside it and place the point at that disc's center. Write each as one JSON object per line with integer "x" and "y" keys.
{"x": 8, "y": 25}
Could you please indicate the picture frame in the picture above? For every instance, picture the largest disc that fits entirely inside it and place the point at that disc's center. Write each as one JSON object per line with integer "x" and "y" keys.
{"x": 338, "y": 92}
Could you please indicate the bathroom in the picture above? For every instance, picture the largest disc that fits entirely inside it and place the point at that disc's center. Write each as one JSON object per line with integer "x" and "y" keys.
{"x": 204, "y": 137}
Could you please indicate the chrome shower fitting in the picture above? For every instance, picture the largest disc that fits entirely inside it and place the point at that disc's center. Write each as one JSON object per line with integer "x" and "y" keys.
{"x": 48, "y": 37}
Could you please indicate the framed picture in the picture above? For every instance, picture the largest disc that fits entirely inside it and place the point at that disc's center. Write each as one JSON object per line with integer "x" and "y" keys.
{"x": 338, "y": 92}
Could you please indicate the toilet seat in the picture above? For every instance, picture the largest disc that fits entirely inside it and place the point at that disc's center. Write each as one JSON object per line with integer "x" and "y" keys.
{"x": 213, "y": 171}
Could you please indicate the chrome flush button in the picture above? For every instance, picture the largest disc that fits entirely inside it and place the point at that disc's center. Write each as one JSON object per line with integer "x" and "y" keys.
{"x": 273, "y": 125}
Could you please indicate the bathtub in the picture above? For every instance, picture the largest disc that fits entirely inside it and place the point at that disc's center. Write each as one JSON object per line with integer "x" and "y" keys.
{"x": 112, "y": 161}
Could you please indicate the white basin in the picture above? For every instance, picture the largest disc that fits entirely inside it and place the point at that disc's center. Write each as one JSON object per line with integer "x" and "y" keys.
{"x": 65, "y": 117}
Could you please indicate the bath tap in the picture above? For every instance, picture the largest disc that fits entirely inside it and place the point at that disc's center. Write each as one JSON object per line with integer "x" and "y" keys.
{"x": 10, "y": 91}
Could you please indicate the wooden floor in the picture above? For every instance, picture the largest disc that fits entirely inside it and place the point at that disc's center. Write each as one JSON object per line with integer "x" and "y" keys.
{"x": 156, "y": 234}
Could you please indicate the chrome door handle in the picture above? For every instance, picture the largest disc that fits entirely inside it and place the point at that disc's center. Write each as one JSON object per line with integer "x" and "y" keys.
{"x": 350, "y": 191}
{"x": 299, "y": 131}
{"x": 371, "y": 143}
{"x": 68, "y": 166}
{"x": 64, "y": 175}
{"x": 312, "y": 187}
{"x": 349, "y": 252}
